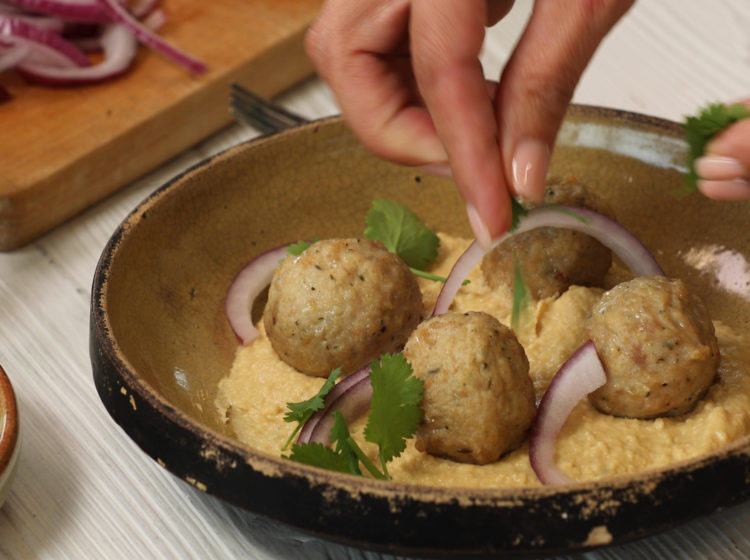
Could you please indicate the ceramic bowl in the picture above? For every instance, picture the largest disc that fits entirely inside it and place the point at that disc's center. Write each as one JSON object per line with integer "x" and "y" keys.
{"x": 9, "y": 442}
{"x": 160, "y": 341}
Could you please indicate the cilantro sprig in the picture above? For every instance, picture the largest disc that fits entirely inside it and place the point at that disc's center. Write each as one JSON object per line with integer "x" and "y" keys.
{"x": 302, "y": 411}
{"x": 702, "y": 128}
{"x": 296, "y": 249}
{"x": 394, "y": 415}
{"x": 403, "y": 233}
{"x": 520, "y": 296}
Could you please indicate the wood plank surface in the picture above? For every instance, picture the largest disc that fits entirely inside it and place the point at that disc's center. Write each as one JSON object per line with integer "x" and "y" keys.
{"x": 62, "y": 149}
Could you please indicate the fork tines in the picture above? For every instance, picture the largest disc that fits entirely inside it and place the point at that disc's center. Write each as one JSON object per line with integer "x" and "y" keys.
{"x": 251, "y": 109}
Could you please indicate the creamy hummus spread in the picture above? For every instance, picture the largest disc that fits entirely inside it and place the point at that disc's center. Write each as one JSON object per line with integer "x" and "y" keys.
{"x": 252, "y": 398}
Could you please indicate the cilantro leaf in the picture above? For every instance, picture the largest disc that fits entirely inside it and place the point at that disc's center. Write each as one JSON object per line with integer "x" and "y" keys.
{"x": 517, "y": 211}
{"x": 394, "y": 414}
{"x": 342, "y": 440}
{"x": 296, "y": 249}
{"x": 319, "y": 455}
{"x": 402, "y": 233}
{"x": 520, "y": 296}
{"x": 701, "y": 129}
{"x": 302, "y": 411}
{"x": 394, "y": 410}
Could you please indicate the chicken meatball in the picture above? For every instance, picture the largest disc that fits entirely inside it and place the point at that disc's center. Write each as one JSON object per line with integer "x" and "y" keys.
{"x": 341, "y": 303}
{"x": 478, "y": 397}
{"x": 658, "y": 347}
{"x": 553, "y": 259}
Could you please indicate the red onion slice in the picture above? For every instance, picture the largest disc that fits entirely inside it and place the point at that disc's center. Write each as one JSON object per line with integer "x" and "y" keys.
{"x": 76, "y": 10}
{"x": 606, "y": 230}
{"x": 461, "y": 269}
{"x": 155, "y": 19}
{"x": 351, "y": 396}
{"x": 48, "y": 23}
{"x": 142, "y": 8}
{"x": 45, "y": 48}
{"x": 245, "y": 288}
{"x": 151, "y": 39}
{"x": 119, "y": 46}
{"x": 581, "y": 374}
{"x": 11, "y": 56}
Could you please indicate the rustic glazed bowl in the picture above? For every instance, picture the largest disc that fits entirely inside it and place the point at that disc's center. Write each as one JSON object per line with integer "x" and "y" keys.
{"x": 9, "y": 442}
{"x": 160, "y": 342}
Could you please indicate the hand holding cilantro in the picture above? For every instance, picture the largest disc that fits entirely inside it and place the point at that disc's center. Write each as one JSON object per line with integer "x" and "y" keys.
{"x": 719, "y": 151}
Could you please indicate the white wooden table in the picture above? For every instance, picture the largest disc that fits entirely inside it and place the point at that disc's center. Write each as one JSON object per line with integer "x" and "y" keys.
{"x": 84, "y": 490}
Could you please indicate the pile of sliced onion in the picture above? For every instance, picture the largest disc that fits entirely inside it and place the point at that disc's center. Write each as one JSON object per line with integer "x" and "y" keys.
{"x": 46, "y": 40}
{"x": 580, "y": 375}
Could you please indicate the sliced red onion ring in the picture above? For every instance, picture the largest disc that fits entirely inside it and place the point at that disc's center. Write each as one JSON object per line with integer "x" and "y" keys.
{"x": 48, "y": 23}
{"x": 142, "y": 8}
{"x": 12, "y": 55}
{"x": 604, "y": 229}
{"x": 119, "y": 46}
{"x": 461, "y": 269}
{"x": 581, "y": 374}
{"x": 155, "y": 19}
{"x": 45, "y": 48}
{"x": 351, "y": 396}
{"x": 245, "y": 288}
{"x": 77, "y": 10}
{"x": 151, "y": 39}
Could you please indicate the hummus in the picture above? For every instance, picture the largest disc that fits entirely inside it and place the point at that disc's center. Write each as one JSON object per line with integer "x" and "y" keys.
{"x": 252, "y": 398}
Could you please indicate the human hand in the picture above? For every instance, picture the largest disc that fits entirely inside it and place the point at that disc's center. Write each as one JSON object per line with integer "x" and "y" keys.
{"x": 409, "y": 83}
{"x": 724, "y": 172}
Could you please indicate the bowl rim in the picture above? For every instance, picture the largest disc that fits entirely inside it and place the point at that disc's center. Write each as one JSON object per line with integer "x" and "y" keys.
{"x": 9, "y": 424}
{"x": 103, "y": 340}
{"x": 151, "y": 394}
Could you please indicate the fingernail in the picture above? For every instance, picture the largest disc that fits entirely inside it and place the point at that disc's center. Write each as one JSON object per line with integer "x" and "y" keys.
{"x": 481, "y": 232}
{"x": 530, "y": 162}
{"x": 440, "y": 169}
{"x": 717, "y": 168}
{"x": 737, "y": 189}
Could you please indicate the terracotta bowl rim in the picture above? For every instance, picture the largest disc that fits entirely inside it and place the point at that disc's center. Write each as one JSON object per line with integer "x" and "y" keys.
{"x": 255, "y": 457}
{"x": 9, "y": 424}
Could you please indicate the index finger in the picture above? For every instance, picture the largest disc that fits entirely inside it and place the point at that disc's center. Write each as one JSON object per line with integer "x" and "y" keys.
{"x": 446, "y": 37}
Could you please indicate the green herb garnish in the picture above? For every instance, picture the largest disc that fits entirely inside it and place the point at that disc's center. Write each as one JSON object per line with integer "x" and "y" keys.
{"x": 394, "y": 414}
{"x": 402, "y": 233}
{"x": 701, "y": 129}
{"x": 516, "y": 211}
{"x": 394, "y": 408}
{"x": 520, "y": 296}
{"x": 319, "y": 455}
{"x": 302, "y": 411}
{"x": 296, "y": 249}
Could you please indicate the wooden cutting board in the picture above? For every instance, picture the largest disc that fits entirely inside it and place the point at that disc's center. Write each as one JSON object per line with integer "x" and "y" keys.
{"x": 62, "y": 149}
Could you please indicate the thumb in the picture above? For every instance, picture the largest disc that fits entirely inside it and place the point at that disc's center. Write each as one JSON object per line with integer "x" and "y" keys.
{"x": 725, "y": 169}
{"x": 539, "y": 80}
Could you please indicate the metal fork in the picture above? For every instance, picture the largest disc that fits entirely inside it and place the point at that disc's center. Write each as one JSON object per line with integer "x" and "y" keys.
{"x": 251, "y": 109}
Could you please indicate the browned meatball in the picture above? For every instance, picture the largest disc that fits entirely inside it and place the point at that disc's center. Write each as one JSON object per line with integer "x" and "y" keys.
{"x": 478, "y": 396}
{"x": 658, "y": 347}
{"x": 341, "y": 303}
{"x": 553, "y": 259}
